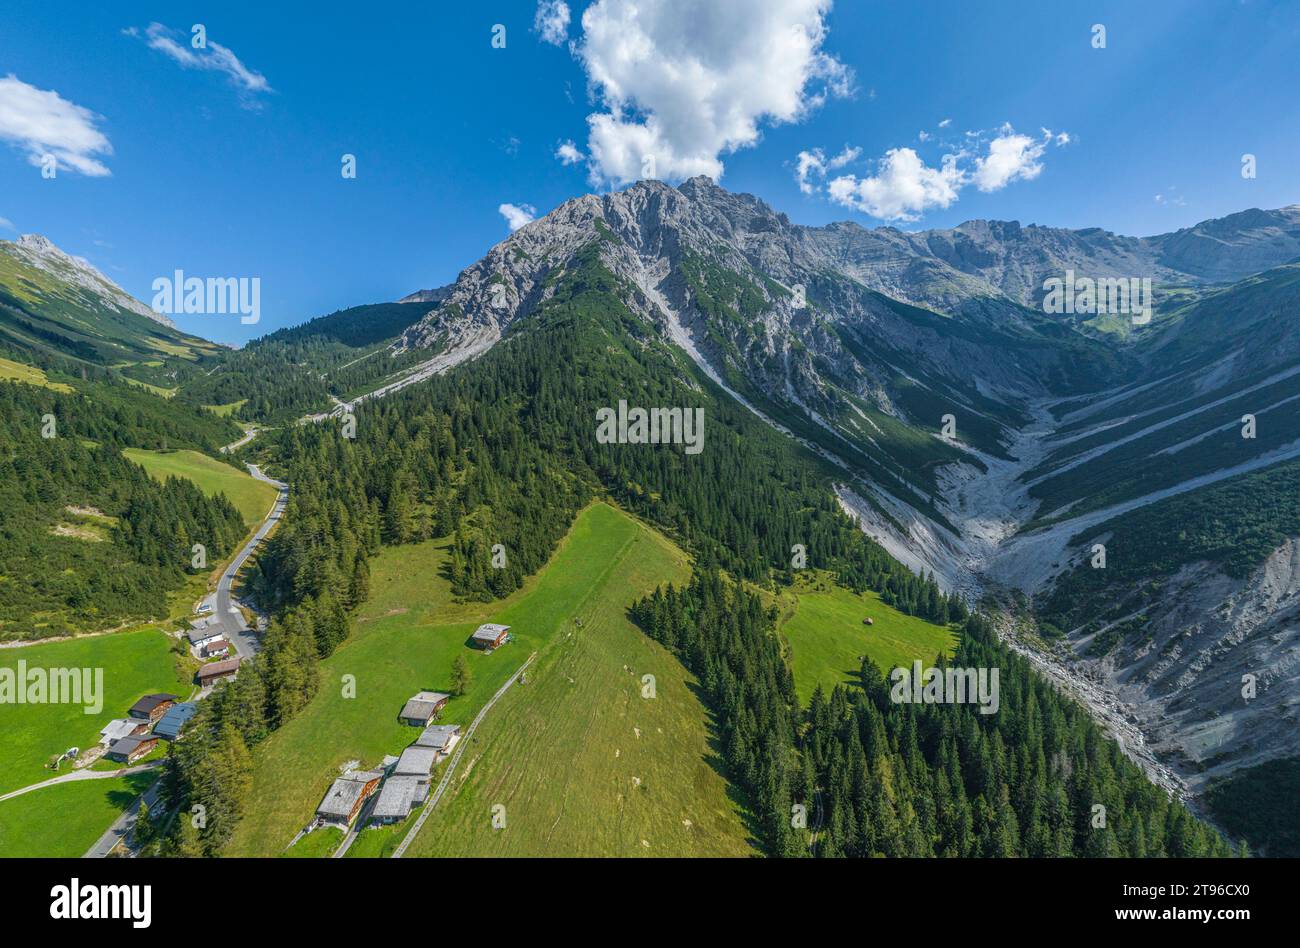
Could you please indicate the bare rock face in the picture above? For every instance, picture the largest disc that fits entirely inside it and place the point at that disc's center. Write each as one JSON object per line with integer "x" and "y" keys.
{"x": 1215, "y": 684}
{"x": 794, "y": 291}
{"x": 427, "y": 296}
{"x": 989, "y": 273}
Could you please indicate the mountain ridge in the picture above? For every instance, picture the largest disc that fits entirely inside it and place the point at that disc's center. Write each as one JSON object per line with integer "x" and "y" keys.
{"x": 41, "y": 252}
{"x": 1059, "y": 422}
{"x": 1273, "y": 236}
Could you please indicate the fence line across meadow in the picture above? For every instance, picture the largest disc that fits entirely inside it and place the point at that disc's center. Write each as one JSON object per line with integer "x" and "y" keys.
{"x": 455, "y": 759}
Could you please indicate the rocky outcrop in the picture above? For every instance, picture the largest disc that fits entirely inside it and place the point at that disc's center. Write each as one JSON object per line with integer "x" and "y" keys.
{"x": 1214, "y": 679}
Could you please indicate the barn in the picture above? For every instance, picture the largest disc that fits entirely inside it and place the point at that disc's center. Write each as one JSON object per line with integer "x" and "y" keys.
{"x": 423, "y": 708}
{"x": 119, "y": 728}
{"x": 415, "y": 762}
{"x": 398, "y": 797}
{"x": 170, "y": 724}
{"x": 345, "y": 796}
{"x": 151, "y": 707}
{"x": 130, "y": 749}
{"x": 439, "y": 738}
{"x": 490, "y": 636}
{"x": 215, "y": 671}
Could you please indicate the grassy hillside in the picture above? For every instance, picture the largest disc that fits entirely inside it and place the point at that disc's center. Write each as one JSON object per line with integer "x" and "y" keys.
{"x": 253, "y": 498}
{"x": 318, "y": 845}
{"x": 28, "y": 374}
{"x": 226, "y": 411}
{"x": 827, "y": 638}
{"x": 63, "y": 821}
{"x": 410, "y": 631}
{"x": 582, "y": 762}
{"x": 134, "y": 664}
{"x": 43, "y": 315}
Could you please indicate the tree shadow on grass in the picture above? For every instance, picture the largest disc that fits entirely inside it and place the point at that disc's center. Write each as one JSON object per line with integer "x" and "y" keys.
{"x": 718, "y": 764}
{"x": 714, "y": 758}
{"x": 122, "y": 797}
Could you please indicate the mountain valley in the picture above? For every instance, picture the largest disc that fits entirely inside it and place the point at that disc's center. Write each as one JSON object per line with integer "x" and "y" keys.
{"x": 911, "y": 381}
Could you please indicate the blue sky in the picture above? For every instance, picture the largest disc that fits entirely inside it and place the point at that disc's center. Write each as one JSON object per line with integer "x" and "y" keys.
{"x": 226, "y": 161}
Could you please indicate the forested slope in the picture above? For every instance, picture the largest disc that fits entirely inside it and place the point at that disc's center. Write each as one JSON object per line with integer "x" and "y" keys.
{"x": 87, "y": 539}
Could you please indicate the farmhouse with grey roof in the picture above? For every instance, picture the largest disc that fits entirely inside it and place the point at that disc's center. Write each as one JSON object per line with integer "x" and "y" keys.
{"x": 397, "y": 798}
{"x": 439, "y": 737}
{"x": 346, "y": 794}
{"x": 415, "y": 761}
{"x": 201, "y": 635}
{"x": 119, "y": 728}
{"x": 490, "y": 635}
{"x": 423, "y": 708}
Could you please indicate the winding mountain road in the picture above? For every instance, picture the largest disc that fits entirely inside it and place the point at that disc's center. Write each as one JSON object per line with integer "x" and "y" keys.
{"x": 229, "y": 618}
{"x": 236, "y": 632}
{"x": 124, "y": 824}
{"x": 249, "y": 435}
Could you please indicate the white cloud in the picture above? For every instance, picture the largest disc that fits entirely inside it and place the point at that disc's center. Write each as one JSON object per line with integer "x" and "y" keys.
{"x": 845, "y": 157}
{"x": 1011, "y": 157}
{"x": 7, "y": 224}
{"x": 41, "y": 122}
{"x": 552, "y": 21}
{"x": 945, "y": 123}
{"x": 683, "y": 83}
{"x": 903, "y": 187}
{"x": 517, "y": 215}
{"x": 212, "y": 56}
{"x": 806, "y": 164}
{"x": 568, "y": 153}
{"x": 815, "y": 162}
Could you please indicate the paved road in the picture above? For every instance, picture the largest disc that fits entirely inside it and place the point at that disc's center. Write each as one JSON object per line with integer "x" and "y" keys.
{"x": 236, "y": 445}
{"x": 84, "y": 774}
{"x": 123, "y": 825}
{"x": 356, "y": 827}
{"x": 455, "y": 759}
{"x": 229, "y": 618}
{"x": 236, "y": 633}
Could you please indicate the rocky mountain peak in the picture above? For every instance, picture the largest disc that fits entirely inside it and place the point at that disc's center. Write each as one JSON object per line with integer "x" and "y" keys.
{"x": 40, "y": 252}
{"x": 40, "y": 244}
{"x": 982, "y": 269}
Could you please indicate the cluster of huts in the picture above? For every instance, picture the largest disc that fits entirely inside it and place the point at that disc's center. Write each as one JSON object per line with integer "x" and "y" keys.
{"x": 402, "y": 782}
{"x": 206, "y": 639}
{"x": 154, "y": 717}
